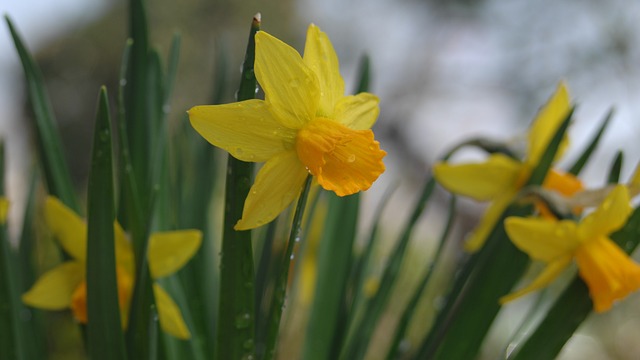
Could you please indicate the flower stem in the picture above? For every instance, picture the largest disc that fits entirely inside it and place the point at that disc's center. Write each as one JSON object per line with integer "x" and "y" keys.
{"x": 275, "y": 313}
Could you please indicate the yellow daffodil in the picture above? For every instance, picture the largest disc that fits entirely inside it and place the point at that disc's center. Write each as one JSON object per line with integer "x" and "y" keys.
{"x": 305, "y": 125}
{"x": 500, "y": 177}
{"x": 4, "y": 209}
{"x": 608, "y": 271}
{"x": 64, "y": 286}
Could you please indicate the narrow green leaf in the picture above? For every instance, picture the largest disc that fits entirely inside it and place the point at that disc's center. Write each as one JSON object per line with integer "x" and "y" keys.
{"x": 616, "y": 167}
{"x": 358, "y": 272}
{"x": 34, "y": 321}
{"x": 104, "y": 330}
{"x": 365, "y": 75}
{"x": 50, "y": 150}
{"x": 172, "y": 71}
{"x": 282, "y": 277}
{"x": 15, "y": 339}
{"x": 364, "y": 329}
{"x": 142, "y": 332}
{"x": 411, "y": 307}
{"x": 236, "y": 315}
{"x": 334, "y": 263}
{"x": 586, "y": 155}
{"x": 197, "y": 180}
{"x": 136, "y": 97}
{"x": 572, "y": 306}
{"x": 264, "y": 282}
{"x": 459, "y": 329}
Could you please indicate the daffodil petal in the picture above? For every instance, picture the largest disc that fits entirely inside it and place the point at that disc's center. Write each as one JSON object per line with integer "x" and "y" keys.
{"x": 343, "y": 160}
{"x": 358, "y": 112}
{"x": 550, "y": 273}
{"x": 608, "y": 271}
{"x": 481, "y": 181}
{"x": 67, "y": 227}
{"x": 246, "y": 129}
{"x": 542, "y": 239}
{"x": 4, "y": 209}
{"x": 169, "y": 314}
{"x": 546, "y": 124}
{"x": 290, "y": 87}
{"x": 53, "y": 290}
{"x": 321, "y": 58}
{"x": 566, "y": 184}
{"x": 170, "y": 250}
{"x": 489, "y": 220}
{"x": 610, "y": 216}
{"x": 277, "y": 184}
{"x": 635, "y": 177}
{"x": 124, "y": 250}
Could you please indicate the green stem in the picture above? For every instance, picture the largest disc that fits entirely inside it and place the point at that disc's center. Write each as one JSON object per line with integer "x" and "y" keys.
{"x": 236, "y": 317}
{"x": 275, "y": 313}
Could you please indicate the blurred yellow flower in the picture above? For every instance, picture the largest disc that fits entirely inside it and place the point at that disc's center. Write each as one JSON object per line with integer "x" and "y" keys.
{"x": 500, "y": 177}
{"x": 304, "y": 125}
{"x": 4, "y": 209}
{"x": 64, "y": 286}
{"x": 608, "y": 271}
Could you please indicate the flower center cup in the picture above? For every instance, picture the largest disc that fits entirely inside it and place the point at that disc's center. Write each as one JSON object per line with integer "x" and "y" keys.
{"x": 342, "y": 159}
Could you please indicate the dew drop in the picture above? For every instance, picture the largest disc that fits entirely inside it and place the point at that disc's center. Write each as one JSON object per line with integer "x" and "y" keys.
{"x": 351, "y": 158}
{"x": 248, "y": 344}
{"x": 104, "y": 135}
{"x": 243, "y": 321}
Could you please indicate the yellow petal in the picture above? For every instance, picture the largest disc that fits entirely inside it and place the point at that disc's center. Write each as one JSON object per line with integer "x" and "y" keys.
{"x": 550, "y": 273}
{"x": 169, "y": 314}
{"x": 481, "y": 181}
{"x": 290, "y": 87}
{"x": 246, "y": 129}
{"x": 489, "y": 220}
{"x": 277, "y": 184}
{"x": 4, "y": 209}
{"x": 635, "y": 177}
{"x": 321, "y": 58}
{"x": 610, "y": 216}
{"x": 546, "y": 124}
{"x": 543, "y": 239}
{"x": 67, "y": 227}
{"x": 357, "y": 112}
{"x": 125, "y": 288}
{"x": 53, "y": 290}
{"x": 343, "y": 160}
{"x": 608, "y": 271}
{"x": 170, "y": 250}
{"x": 124, "y": 250}
{"x": 566, "y": 184}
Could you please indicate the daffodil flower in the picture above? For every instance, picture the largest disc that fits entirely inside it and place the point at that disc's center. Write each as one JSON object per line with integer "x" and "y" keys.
{"x": 65, "y": 287}
{"x": 4, "y": 209}
{"x": 500, "y": 177}
{"x": 608, "y": 271}
{"x": 305, "y": 125}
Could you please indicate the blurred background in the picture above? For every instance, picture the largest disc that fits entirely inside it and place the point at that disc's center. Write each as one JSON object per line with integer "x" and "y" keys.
{"x": 444, "y": 71}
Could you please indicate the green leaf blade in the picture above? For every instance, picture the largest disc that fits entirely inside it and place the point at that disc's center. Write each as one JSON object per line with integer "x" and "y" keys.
{"x": 50, "y": 151}
{"x": 104, "y": 330}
